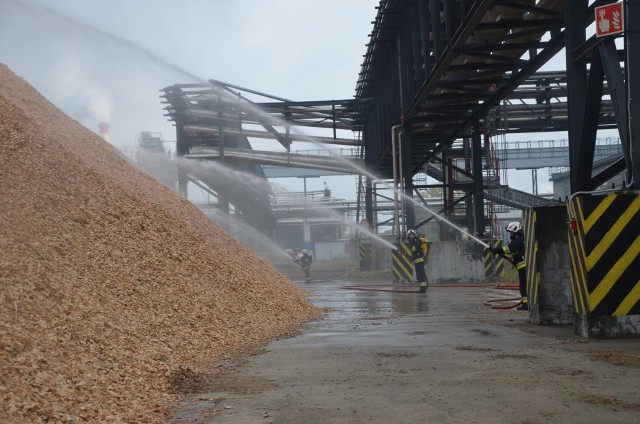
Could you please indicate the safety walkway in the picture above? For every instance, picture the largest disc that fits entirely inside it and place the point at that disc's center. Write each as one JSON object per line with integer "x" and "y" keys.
{"x": 505, "y": 195}
{"x": 534, "y": 154}
{"x": 500, "y": 194}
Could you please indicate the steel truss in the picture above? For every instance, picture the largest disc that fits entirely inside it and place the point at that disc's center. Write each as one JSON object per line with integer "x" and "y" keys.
{"x": 447, "y": 71}
{"x": 586, "y": 93}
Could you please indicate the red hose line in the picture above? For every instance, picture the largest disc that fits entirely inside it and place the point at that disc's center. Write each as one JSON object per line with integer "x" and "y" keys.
{"x": 490, "y": 302}
{"x": 412, "y": 289}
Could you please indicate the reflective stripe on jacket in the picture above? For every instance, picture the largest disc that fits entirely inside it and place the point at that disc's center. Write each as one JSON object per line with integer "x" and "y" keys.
{"x": 416, "y": 250}
{"x": 516, "y": 250}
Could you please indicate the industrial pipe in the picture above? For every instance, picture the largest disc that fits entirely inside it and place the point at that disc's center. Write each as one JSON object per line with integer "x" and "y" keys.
{"x": 396, "y": 218}
{"x": 401, "y": 182}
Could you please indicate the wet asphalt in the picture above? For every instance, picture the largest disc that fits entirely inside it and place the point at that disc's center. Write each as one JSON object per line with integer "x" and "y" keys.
{"x": 385, "y": 354}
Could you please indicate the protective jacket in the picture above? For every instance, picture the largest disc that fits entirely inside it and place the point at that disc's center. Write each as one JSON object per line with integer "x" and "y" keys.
{"x": 515, "y": 249}
{"x": 417, "y": 253}
{"x": 305, "y": 261}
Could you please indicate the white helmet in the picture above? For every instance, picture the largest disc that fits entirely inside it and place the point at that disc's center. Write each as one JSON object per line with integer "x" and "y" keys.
{"x": 411, "y": 233}
{"x": 514, "y": 227}
{"x": 304, "y": 251}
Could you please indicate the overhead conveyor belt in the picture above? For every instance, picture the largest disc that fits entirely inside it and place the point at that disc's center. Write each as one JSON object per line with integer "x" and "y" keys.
{"x": 329, "y": 163}
{"x": 440, "y": 67}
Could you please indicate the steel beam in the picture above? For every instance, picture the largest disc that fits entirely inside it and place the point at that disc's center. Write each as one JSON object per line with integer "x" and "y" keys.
{"x": 478, "y": 183}
{"x": 575, "y": 14}
{"x": 632, "y": 67}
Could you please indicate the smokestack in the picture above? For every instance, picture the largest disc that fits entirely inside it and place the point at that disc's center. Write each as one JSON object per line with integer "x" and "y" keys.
{"x": 104, "y": 131}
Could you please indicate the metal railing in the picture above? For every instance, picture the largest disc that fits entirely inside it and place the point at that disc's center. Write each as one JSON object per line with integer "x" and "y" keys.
{"x": 518, "y": 199}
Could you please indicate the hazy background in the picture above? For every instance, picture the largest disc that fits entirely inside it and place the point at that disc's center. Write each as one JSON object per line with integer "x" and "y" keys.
{"x": 107, "y": 60}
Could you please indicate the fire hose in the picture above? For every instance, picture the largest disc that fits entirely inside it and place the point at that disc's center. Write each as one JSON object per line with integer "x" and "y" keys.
{"x": 494, "y": 302}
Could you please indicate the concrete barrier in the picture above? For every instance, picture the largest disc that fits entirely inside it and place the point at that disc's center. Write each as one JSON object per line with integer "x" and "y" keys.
{"x": 456, "y": 261}
{"x": 548, "y": 265}
{"x": 605, "y": 252}
{"x": 448, "y": 261}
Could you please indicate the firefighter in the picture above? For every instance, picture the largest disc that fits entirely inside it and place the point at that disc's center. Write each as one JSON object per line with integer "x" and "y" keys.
{"x": 515, "y": 249}
{"x": 418, "y": 256}
{"x": 305, "y": 260}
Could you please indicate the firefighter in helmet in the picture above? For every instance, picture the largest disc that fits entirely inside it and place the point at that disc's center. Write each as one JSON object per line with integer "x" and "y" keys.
{"x": 304, "y": 260}
{"x": 515, "y": 249}
{"x": 418, "y": 256}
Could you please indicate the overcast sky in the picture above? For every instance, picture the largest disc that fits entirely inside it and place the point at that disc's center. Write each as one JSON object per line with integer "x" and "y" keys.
{"x": 298, "y": 49}
{"x": 106, "y": 60}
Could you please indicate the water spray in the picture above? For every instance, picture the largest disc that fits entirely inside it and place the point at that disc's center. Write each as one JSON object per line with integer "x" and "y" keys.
{"x": 357, "y": 169}
{"x": 255, "y": 109}
{"x": 403, "y": 196}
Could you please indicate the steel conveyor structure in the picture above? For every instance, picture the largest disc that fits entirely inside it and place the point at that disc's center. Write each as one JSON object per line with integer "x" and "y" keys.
{"x": 445, "y": 65}
{"x": 450, "y": 74}
{"x": 515, "y": 114}
{"x": 444, "y": 71}
{"x": 215, "y": 122}
{"x": 327, "y": 163}
{"x": 438, "y": 80}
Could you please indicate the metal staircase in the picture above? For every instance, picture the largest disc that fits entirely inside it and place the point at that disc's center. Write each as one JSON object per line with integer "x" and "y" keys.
{"x": 494, "y": 191}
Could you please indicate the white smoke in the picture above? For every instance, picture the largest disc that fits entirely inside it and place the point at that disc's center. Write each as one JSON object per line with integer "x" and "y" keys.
{"x": 91, "y": 75}
{"x": 99, "y": 105}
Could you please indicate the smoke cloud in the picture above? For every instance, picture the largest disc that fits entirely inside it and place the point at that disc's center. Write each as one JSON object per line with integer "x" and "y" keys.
{"x": 91, "y": 75}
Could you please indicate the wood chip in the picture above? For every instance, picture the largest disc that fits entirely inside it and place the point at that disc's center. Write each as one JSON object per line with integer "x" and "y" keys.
{"x": 111, "y": 282}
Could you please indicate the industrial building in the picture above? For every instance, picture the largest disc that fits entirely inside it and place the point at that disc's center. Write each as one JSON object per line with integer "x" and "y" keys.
{"x": 440, "y": 83}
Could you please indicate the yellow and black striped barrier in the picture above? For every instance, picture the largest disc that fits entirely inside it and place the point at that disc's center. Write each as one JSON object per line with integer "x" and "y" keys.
{"x": 548, "y": 282}
{"x": 364, "y": 254}
{"x": 402, "y": 263}
{"x": 531, "y": 255}
{"x": 493, "y": 264}
{"x": 604, "y": 244}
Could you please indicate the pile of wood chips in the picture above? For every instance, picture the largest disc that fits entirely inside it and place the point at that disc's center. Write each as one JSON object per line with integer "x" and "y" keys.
{"x": 109, "y": 281}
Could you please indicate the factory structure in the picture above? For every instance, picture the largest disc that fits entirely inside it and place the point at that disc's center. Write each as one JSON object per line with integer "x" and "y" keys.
{"x": 441, "y": 86}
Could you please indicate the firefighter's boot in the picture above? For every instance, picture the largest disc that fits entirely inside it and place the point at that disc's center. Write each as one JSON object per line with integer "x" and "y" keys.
{"x": 524, "y": 306}
{"x": 423, "y": 287}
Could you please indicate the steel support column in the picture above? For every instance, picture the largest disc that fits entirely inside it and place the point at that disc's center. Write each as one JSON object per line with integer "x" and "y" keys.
{"x": 585, "y": 93}
{"x": 182, "y": 140}
{"x": 426, "y": 64}
{"x": 407, "y": 176}
{"x": 436, "y": 29}
{"x": 632, "y": 67}
{"x": 182, "y": 148}
{"x": 615, "y": 75}
{"x": 478, "y": 193}
{"x": 223, "y": 200}
{"x": 448, "y": 200}
{"x": 368, "y": 201}
{"x": 575, "y": 16}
